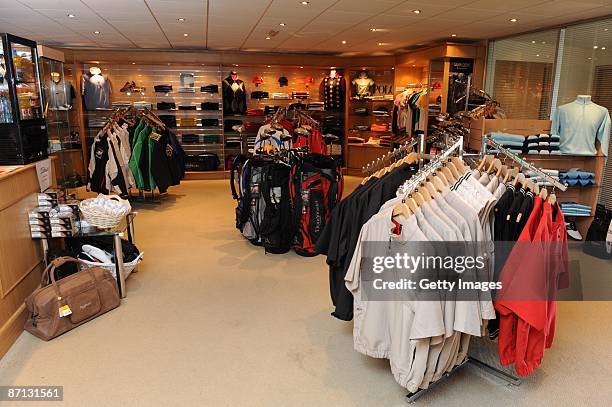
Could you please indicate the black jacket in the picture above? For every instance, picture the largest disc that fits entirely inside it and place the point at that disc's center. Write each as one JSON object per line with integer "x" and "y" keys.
{"x": 234, "y": 102}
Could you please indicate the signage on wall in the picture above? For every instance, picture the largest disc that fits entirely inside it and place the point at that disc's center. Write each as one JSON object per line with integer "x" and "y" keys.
{"x": 462, "y": 65}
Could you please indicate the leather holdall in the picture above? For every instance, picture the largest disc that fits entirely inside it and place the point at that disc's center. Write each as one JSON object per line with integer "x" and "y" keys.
{"x": 61, "y": 305}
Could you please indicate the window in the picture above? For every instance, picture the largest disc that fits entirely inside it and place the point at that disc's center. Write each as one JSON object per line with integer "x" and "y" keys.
{"x": 521, "y": 72}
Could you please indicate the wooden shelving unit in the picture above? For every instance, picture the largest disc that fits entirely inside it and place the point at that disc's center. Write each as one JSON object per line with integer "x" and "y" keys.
{"x": 359, "y": 155}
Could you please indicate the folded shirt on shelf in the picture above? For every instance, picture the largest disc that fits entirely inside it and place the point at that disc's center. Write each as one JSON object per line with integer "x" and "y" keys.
{"x": 355, "y": 140}
{"x": 361, "y": 111}
{"x": 210, "y": 105}
{"x": 300, "y": 94}
{"x": 143, "y": 105}
{"x": 209, "y": 88}
{"x": 380, "y": 111}
{"x": 187, "y": 107}
{"x": 575, "y": 209}
{"x": 255, "y": 112}
{"x": 168, "y": 119}
{"x": 259, "y": 94}
{"x": 187, "y": 121}
{"x": 166, "y": 105}
{"x": 211, "y": 138}
{"x": 186, "y": 89}
{"x": 280, "y": 95}
{"x": 190, "y": 138}
{"x": 319, "y": 106}
{"x": 210, "y": 122}
{"x": 163, "y": 88}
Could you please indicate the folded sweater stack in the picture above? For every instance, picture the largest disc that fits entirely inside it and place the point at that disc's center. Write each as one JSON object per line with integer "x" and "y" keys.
{"x": 535, "y": 144}
{"x": 575, "y": 209}
{"x": 577, "y": 177}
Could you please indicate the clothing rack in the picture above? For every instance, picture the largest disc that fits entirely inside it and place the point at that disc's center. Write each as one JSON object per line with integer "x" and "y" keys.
{"x": 522, "y": 162}
{"x": 404, "y": 148}
{"x": 430, "y": 167}
{"x": 406, "y": 189}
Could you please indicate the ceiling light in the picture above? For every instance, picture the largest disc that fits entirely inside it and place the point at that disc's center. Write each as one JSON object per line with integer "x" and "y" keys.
{"x": 96, "y": 32}
{"x": 373, "y": 30}
{"x": 180, "y": 19}
{"x": 304, "y": 3}
{"x": 185, "y": 35}
{"x": 595, "y": 46}
{"x": 267, "y": 38}
{"x": 606, "y": 29}
{"x": 236, "y": 65}
{"x": 269, "y": 66}
{"x": 453, "y": 35}
{"x": 603, "y": 48}
{"x": 543, "y": 42}
{"x": 71, "y": 15}
{"x": 282, "y": 24}
{"x": 133, "y": 63}
{"x": 301, "y": 67}
{"x": 344, "y": 42}
{"x": 392, "y": 68}
{"x": 589, "y": 58}
{"x": 533, "y": 42}
{"x": 513, "y": 20}
{"x": 537, "y": 55}
{"x": 416, "y": 11}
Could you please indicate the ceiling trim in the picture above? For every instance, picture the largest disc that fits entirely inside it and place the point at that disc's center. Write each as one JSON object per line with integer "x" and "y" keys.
{"x": 206, "y": 22}
{"x": 255, "y": 25}
{"x": 158, "y": 24}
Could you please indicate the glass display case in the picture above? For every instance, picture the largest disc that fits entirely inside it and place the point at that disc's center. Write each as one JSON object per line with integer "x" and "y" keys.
{"x": 23, "y": 131}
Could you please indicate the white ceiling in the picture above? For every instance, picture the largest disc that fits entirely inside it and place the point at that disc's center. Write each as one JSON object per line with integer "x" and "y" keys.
{"x": 320, "y": 26}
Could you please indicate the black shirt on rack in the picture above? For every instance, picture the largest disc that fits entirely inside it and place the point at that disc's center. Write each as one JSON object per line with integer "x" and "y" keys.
{"x": 357, "y": 209}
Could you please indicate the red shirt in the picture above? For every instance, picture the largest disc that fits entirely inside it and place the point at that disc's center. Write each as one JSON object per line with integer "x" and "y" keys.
{"x": 534, "y": 271}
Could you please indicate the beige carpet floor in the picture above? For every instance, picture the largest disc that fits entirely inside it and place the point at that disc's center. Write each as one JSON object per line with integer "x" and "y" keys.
{"x": 210, "y": 320}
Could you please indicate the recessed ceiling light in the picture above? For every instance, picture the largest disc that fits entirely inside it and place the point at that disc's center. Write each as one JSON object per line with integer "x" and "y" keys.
{"x": 235, "y": 64}
{"x": 304, "y": 3}
{"x": 282, "y": 24}
{"x": 392, "y": 68}
{"x": 343, "y": 41}
{"x": 537, "y": 55}
{"x": 453, "y": 35}
{"x": 513, "y": 20}
{"x": 181, "y": 19}
{"x": 71, "y": 16}
{"x": 603, "y": 48}
{"x": 416, "y": 11}
{"x": 373, "y": 30}
{"x": 301, "y": 67}
{"x": 96, "y": 32}
{"x": 185, "y": 35}
{"x": 606, "y": 29}
{"x": 267, "y": 38}
{"x": 133, "y": 63}
{"x": 269, "y": 66}
{"x": 533, "y": 42}
{"x": 595, "y": 46}
{"x": 589, "y": 58}
{"x": 381, "y": 43}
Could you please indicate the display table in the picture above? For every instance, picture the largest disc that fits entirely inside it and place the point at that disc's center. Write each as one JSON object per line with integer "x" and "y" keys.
{"x": 21, "y": 258}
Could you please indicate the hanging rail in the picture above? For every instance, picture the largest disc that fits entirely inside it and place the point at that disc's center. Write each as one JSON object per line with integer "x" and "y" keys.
{"x": 524, "y": 163}
{"x": 404, "y": 148}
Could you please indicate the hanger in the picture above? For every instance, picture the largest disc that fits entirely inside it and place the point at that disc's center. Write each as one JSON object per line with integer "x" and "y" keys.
{"x": 510, "y": 173}
{"x": 458, "y": 164}
{"x": 425, "y": 193}
{"x": 401, "y": 209}
{"x": 447, "y": 174}
{"x": 495, "y": 164}
{"x": 487, "y": 158}
{"x": 553, "y": 197}
{"x": 543, "y": 193}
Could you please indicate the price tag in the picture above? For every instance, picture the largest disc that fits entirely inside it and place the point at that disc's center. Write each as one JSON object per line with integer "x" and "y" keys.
{"x": 64, "y": 311}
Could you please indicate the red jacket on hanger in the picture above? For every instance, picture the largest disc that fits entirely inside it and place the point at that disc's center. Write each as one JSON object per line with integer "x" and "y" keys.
{"x": 535, "y": 269}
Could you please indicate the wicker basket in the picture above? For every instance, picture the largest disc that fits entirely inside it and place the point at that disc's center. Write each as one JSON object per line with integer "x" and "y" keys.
{"x": 128, "y": 267}
{"x": 95, "y": 216}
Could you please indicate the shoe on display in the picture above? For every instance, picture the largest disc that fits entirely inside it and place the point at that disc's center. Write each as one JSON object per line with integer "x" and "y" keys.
{"x": 572, "y": 231}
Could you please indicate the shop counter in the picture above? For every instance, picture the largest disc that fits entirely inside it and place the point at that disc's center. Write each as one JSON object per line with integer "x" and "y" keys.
{"x": 21, "y": 258}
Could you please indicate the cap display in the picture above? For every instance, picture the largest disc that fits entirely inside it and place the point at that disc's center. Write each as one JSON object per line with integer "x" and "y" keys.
{"x": 257, "y": 80}
{"x": 283, "y": 81}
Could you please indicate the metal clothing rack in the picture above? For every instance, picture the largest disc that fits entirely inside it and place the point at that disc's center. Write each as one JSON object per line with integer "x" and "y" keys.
{"x": 522, "y": 162}
{"x": 406, "y": 189}
{"x": 404, "y": 148}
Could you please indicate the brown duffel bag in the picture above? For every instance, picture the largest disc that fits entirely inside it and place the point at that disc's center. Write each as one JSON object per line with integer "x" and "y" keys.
{"x": 59, "y": 306}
